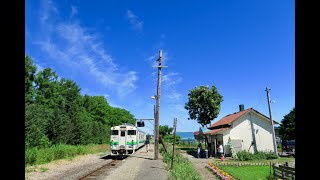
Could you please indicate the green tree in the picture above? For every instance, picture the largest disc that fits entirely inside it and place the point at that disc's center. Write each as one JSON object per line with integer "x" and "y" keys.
{"x": 204, "y": 104}
{"x": 48, "y": 89}
{"x": 288, "y": 126}
{"x": 69, "y": 96}
{"x": 119, "y": 116}
{"x": 36, "y": 122}
{"x": 56, "y": 112}
{"x": 97, "y": 107}
{"x": 165, "y": 130}
{"x": 57, "y": 127}
{"x": 30, "y": 70}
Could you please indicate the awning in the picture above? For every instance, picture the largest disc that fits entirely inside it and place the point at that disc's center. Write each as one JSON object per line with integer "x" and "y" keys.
{"x": 215, "y": 131}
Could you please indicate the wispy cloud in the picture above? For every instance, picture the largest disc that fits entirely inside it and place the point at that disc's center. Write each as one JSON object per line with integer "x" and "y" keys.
{"x": 170, "y": 82}
{"x": 171, "y": 79}
{"x": 73, "y": 45}
{"x": 74, "y": 11}
{"x": 134, "y": 21}
{"x": 48, "y": 9}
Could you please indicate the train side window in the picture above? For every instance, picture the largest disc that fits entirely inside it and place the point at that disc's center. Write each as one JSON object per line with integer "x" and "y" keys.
{"x": 131, "y": 132}
{"x": 122, "y": 133}
{"x": 114, "y": 132}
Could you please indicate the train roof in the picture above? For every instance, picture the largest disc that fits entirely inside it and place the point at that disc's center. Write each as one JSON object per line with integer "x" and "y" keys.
{"x": 130, "y": 125}
{"x": 125, "y": 124}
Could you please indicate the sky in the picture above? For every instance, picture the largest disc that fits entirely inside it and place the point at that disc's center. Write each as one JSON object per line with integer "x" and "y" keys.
{"x": 109, "y": 47}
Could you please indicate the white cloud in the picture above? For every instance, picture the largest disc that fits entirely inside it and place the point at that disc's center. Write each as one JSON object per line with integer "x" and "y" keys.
{"x": 175, "y": 96}
{"x": 81, "y": 50}
{"x": 170, "y": 82}
{"x": 134, "y": 21}
{"x": 74, "y": 11}
{"x": 171, "y": 79}
{"x": 48, "y": 8}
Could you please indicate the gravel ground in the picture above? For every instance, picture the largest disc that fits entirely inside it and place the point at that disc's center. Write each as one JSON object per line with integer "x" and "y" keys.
{"x": 67, "y": 169}
{"x": 140, "y": 166}
{"x": 200, "y": 165}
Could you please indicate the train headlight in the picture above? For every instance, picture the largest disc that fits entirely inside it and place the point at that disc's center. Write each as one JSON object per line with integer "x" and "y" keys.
{"x": 113, "y": 146}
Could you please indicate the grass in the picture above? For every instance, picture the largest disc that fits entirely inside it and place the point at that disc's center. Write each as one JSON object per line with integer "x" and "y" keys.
{"x": 34, "y": 156}
{"x": 42, "y": 169}
{"x": 248, "y": 172}
{"x": 251, "y": 172}
{"x": 245, "y": 172}
{"x": 182, "y": 168}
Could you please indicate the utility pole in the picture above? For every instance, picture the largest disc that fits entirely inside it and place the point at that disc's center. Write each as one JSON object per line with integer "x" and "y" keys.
{"x": 156, "y": 124}
{"x": 174, "y": 140}
{"x": 273, "y": 133}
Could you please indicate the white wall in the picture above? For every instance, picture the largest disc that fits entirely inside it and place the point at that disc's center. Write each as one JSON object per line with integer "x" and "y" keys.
{"x": 263, "y": 132}
{"x": 242, "y": 129}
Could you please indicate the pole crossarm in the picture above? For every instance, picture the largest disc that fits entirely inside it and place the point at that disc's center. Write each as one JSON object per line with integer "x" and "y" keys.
{"x": 159, "y": 66}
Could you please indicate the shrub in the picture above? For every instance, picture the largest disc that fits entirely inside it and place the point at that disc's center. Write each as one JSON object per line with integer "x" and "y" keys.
{"x": 31, "y": 156}
{"x": 247, "y": 156}
{"x": 271, "y": 155}
{"x": 259, "y": 155}
{"x": 244, "y": 156}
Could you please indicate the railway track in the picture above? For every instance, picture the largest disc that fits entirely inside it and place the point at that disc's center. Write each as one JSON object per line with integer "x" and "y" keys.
{"x": 105, "y": 168}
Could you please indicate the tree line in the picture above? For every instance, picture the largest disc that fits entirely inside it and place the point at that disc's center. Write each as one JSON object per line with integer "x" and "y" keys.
{"x": 56, "y": 112}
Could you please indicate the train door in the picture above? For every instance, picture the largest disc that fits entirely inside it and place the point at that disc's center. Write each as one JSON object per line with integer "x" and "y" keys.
{"x": 122, "y": 139}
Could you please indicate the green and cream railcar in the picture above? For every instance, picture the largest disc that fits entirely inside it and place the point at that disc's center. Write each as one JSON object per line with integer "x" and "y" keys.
{"x": 126, "y": 139}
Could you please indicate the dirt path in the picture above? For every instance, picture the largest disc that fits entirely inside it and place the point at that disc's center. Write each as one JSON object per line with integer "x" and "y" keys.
{"x": 200, "y": 165}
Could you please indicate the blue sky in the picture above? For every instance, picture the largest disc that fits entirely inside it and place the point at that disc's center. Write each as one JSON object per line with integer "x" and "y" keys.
{"x": 109, "y": 47}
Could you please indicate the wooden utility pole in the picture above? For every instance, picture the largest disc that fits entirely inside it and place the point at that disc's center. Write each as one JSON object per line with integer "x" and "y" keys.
{"x": 273, "y": 133}
{"x": 174, "y": 140}
{"x": 156, "y": 139}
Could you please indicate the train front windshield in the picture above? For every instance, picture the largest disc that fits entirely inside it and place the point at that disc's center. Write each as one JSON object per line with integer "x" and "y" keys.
{"x": 114, "y": 132}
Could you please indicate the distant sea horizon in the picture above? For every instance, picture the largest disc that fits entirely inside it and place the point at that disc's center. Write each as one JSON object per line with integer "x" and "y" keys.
{"x": 185, "y": 135}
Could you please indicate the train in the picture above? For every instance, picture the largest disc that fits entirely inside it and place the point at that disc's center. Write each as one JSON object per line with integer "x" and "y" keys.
{"x": 125, "y": 139}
